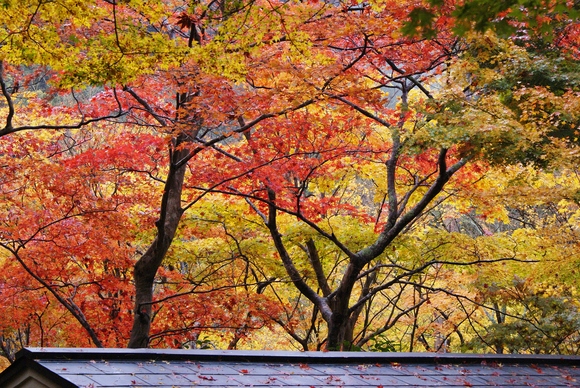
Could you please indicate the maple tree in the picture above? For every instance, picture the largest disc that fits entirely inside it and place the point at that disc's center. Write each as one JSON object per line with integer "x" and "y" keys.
{"x": 362, "y": 113}
{"x": 56, "y": 228}
{"x": 41, "y": 42}
{"x": 441, "y": 121}
{"x": 455, "y": 117}
{"x": 524, "y": 215}
{"x": 210, "y": 112}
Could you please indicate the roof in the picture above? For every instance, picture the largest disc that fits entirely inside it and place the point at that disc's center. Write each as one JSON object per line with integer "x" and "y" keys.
{"x": 81, "y": 367}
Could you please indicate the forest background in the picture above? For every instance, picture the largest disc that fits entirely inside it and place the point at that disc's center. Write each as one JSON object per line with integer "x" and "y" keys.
{"x": 309, "y": 175}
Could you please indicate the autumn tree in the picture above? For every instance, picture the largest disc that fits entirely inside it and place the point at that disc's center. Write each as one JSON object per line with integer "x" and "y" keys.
{"x": 49, "y": 56}
{"x": 56, "y": 230}
{"x": 472, "y": 110}
{"x": 361, "y": 123}
{"x": 541, "y": 184}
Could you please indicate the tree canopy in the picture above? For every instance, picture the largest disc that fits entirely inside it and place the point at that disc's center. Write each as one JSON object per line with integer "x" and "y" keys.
{"x": 383, "y": 176}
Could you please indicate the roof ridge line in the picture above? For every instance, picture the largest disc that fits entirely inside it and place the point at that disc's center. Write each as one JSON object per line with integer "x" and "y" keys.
{"x": 290, "y": 356}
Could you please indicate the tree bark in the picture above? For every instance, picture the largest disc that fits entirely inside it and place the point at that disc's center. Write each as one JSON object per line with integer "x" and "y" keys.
{"x": 147, "y": 266}
{"x": 339, "y": 322}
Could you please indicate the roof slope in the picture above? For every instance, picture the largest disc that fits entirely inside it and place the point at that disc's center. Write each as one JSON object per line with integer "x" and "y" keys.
{"x": 195, "y": 368}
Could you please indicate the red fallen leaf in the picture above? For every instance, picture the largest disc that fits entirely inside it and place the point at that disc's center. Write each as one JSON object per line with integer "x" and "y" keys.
{"x": 304, "y": 366}
{"x": 244, "y": 371}
{"x": 208, "y": 378}
{"x": 379, "y": 386}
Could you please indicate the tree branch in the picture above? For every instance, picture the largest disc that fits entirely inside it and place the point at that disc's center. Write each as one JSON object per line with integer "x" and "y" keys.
{"x": 68, "y": 303}
{"x": 317, "y": 266}
{"x": 292, "y": 271}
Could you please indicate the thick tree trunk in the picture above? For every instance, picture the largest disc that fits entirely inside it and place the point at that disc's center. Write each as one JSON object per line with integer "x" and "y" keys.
{"x": 147, "y": 266}
{"x": 339, "y": 323}
{"x": 341, "y": 333}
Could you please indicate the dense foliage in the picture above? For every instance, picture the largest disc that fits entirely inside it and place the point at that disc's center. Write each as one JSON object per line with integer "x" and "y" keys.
{"x": 383, "y": 176}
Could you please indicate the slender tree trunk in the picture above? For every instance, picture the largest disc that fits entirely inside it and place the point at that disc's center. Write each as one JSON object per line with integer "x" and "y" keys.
{"x": 147, "y": 266}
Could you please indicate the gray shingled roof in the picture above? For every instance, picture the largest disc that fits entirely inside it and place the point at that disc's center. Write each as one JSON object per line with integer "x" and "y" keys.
{"x": 203, "y": 368}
